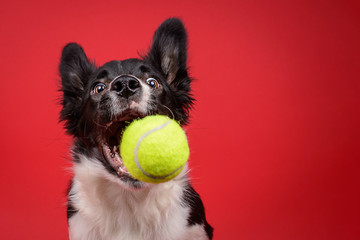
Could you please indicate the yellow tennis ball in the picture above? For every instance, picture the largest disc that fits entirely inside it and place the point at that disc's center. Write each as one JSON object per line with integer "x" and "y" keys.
{"x": 154, "y": 149}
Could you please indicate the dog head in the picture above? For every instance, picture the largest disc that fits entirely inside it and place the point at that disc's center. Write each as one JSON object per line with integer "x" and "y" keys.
{"x": 98, "y": 102}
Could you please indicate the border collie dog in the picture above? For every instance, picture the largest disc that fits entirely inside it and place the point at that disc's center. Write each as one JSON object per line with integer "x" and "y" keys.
{"x": 104, "y": 201}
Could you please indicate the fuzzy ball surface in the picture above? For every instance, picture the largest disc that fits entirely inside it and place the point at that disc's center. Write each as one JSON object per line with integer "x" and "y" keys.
{"x": 154, "y": 149}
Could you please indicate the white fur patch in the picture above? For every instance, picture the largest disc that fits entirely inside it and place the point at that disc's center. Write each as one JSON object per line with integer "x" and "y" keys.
{"x": 108, "y": 210}
{"x": 196, "y": 232}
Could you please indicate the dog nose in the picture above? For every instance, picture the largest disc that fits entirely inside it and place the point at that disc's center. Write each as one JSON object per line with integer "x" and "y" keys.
{"x": 125, "y": 86}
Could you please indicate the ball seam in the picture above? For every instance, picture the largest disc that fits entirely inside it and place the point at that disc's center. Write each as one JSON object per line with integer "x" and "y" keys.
{"x": 136, "y": 160}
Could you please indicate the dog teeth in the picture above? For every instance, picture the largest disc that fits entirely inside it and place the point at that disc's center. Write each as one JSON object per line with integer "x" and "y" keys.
{"x": 115, "y": 154}
{"x": 117, "y": 158}
{"x": 114, "y": 150}
{"x": 122, "y": 169}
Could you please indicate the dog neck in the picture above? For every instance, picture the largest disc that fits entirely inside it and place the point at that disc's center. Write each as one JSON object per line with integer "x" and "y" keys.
{"x": 101, "y": 198}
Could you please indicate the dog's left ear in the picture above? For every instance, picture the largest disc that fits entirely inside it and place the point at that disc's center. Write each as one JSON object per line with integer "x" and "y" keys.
{"x": 168, "y": 51}
{"x": 75, "y": 71}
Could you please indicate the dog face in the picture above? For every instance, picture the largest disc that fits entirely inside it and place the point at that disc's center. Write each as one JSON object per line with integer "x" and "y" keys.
{"x": 98, "y": 102}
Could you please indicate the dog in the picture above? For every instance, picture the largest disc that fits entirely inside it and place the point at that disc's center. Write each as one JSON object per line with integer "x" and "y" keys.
{"x": 104, "y": 201}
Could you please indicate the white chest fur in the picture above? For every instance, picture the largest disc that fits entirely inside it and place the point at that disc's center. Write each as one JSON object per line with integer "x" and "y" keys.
{"x": 109, "y": 211}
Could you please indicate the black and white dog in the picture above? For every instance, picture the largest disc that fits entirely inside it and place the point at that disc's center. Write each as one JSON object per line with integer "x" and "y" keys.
{"x": 104, "y": 201}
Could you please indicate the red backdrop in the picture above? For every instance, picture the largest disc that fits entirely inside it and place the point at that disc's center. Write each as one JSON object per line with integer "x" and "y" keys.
{"x": 274, "y": 134}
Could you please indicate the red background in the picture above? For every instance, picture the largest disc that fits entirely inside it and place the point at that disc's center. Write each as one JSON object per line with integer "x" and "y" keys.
{"x": 274, "y": 135}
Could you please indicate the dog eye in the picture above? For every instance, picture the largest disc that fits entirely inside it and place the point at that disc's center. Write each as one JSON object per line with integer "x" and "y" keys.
{"x": 153, "y": 83}
{"x": 99, "y": 87}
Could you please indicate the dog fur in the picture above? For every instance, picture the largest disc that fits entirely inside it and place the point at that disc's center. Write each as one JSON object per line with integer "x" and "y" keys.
{"x": 104, "y": 201}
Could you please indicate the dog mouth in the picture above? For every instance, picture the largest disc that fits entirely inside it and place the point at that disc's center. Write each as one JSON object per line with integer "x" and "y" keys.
{"x": 111, "y": 139}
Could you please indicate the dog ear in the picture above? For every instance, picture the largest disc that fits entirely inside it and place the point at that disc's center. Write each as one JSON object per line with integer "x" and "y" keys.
{"x": 168, "y": 55}
{"x": 75, "y": 71}
{"x": 168, "y": 52}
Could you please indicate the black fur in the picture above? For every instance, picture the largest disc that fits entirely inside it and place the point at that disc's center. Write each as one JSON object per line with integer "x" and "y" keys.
{"x": 165, "y": 59}
{"x": 75, "y": 72}
{"x": 197, "y": 214}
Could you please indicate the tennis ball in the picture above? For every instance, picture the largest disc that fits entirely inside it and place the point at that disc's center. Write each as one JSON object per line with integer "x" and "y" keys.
{"x": 154, "y": 149}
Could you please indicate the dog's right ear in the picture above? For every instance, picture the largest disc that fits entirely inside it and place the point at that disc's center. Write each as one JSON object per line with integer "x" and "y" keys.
{"x": 75, "y": 71}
